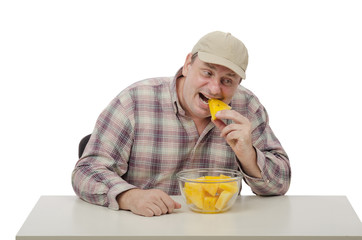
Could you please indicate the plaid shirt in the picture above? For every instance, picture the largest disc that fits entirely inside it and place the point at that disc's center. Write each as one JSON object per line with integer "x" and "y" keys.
{"x": 143, "y": 138}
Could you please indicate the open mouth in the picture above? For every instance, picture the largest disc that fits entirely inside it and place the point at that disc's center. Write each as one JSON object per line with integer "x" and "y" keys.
{"x": 203, "y": 98}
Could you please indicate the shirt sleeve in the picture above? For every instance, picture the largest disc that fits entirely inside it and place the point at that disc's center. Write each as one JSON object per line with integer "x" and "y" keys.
{"x": 97, "y": 176}
{"x": 271, "y": 159}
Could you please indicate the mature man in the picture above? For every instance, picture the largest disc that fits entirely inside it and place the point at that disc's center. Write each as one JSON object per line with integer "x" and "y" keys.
{"x": 159, "y": 126}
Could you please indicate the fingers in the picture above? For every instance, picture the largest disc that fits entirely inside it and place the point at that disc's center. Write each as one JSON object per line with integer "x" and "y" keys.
{"x": 154, "y": 210}
{"x": 229, "y": 129}
{"x": 240, "y": 123}
{"x": 168, "y": 204}
{"x": 177, "y": 205}
{"x": 236, "y": 117}
{"x": 219, "y": 124}
{"x": 152, "y": 202}
{"x": 236, "y": 134}
{"x": 232, "y": 115}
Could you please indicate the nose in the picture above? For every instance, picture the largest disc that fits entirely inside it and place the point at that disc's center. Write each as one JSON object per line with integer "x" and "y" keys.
{"x": 214, "y": 87}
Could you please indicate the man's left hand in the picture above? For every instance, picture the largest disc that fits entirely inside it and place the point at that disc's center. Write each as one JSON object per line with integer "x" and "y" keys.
{"x": 238, "y": 136}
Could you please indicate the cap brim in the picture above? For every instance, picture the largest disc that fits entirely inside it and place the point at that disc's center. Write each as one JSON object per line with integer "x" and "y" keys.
{"x": 209, "y": 58}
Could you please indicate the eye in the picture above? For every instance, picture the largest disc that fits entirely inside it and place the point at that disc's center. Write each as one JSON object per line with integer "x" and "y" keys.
{"x": 227, "y": 82}
{"x": 206, "y": 73}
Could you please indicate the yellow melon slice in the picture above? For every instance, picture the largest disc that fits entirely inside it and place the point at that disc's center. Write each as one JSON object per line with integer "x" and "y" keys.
{"x": 230, "y": 187}
{"x": 215, "y": 106}
{"x": 223, "y": 199}
{"x": 195, "y": 194}
{"x": 209, "y": 203}
{"x": 211, "y": 187}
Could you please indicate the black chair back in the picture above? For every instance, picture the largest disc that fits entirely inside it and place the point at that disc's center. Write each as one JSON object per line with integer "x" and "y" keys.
{"x": 82, "y": 144}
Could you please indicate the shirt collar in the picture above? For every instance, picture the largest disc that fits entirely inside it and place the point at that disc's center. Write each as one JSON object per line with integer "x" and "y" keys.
{"x": 174, "y": 97}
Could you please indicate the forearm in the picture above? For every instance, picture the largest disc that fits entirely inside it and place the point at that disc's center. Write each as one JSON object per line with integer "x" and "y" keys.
{"x": 248, "y": 163}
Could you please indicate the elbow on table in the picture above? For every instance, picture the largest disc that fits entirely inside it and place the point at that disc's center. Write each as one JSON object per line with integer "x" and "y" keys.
{"x": 88, "y": 190}
{"x": 274, "y": 187}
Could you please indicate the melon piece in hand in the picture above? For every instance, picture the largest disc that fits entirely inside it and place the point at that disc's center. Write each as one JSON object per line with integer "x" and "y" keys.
{"x": 215, "y": 106}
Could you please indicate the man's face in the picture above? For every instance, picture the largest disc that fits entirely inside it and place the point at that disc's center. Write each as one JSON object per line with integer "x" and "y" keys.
{"x": 202, "y": 82}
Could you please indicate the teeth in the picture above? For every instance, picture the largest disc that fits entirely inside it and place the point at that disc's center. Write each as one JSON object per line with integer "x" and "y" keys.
{"x": 203, "y": 97}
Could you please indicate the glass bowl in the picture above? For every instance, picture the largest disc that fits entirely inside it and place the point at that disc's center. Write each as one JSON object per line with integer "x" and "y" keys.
{"x": 209, "y": 190}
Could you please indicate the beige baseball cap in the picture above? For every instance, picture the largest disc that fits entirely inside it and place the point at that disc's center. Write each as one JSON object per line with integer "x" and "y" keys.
{"x": 223, "y": 49}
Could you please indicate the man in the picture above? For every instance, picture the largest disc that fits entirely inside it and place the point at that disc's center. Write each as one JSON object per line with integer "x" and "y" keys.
{"x": 157, "y": 127}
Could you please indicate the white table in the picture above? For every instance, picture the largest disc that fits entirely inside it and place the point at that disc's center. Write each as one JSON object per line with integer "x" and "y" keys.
{"x": 252, "y": 217}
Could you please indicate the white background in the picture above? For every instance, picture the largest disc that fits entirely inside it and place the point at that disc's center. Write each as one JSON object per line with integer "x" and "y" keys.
{"x": 61, "y": 63}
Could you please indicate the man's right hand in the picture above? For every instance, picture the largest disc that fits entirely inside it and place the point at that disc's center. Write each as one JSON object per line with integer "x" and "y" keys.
{"x": 152, "y": 202}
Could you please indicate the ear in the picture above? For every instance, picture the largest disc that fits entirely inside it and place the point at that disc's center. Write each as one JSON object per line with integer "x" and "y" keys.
{"x": 187, "y": 64}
